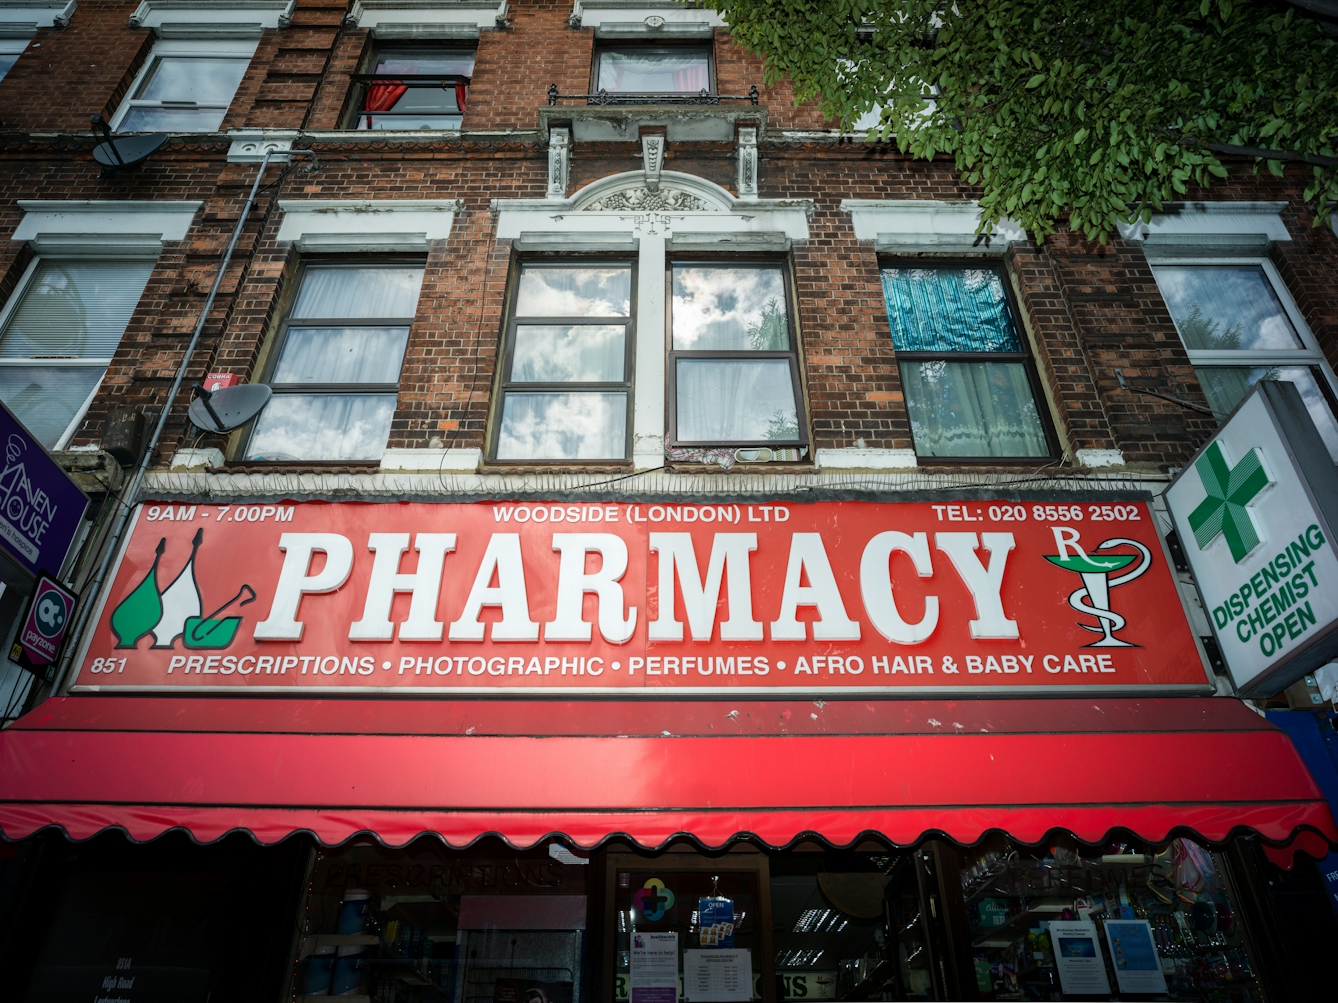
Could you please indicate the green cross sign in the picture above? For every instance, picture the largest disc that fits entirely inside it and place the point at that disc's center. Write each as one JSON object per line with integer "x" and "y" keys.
{"x": 1229, "y": 489}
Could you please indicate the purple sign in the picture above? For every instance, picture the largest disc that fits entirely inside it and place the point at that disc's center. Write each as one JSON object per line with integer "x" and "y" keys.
{"x": 40, "y": 507}
{"x": 47, "y": 620}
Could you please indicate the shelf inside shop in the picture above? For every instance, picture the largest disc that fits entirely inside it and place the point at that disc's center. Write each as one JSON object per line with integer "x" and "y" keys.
{"x": 1011, "y": 929}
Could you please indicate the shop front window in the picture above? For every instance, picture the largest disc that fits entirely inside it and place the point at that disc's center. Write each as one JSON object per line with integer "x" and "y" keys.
{"x": 997, "y": 921}
{"x": 710, "y": 913}
{"x": 1069, "y": 920}
{"x": 487, "y": 925}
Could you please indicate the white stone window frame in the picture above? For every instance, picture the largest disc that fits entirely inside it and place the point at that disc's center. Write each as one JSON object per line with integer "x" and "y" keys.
{"x": 212, "y": 18}
{"x": 216, "y": 47}
{"x": 436, "y": 20}
{"x": 645, "y": 20}
{"x": 915, "y": 226}
{"x": 371, "y": 226}
{"x": 20, "y": 19}
{"x": 605, "y": 217}
{"x": 1227, "y": 234}
{"x": 365, "y": 226}
{"x": 91, "y": 231}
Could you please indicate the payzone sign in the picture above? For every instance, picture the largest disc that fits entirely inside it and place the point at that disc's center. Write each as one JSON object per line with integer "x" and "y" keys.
{"x": 634, "y": 597}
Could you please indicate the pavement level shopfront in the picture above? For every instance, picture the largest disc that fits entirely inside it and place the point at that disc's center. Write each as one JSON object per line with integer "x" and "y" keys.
{"x": 651, "y": 750}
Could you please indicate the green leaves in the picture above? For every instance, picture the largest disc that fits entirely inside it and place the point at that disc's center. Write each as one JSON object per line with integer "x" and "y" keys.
{"x": 1079, "y": 109}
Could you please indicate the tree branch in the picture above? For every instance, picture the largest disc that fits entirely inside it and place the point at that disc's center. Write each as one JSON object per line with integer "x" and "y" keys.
{"x": 1253, "y": 151}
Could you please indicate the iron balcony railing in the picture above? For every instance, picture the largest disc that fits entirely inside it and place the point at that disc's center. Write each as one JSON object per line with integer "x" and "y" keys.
{"x": 701, "y": 97}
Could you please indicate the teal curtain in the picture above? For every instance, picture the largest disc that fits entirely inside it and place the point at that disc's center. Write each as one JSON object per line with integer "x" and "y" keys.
{"x": 948, "y": 310}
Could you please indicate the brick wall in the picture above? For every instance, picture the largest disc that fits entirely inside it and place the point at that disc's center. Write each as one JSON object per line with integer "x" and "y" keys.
{"x": 1091, "y": 312}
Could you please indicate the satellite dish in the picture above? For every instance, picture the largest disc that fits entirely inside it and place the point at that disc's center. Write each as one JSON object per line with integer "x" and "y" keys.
{"x": 128, "y": 151}
{"x": 229, "y": 408}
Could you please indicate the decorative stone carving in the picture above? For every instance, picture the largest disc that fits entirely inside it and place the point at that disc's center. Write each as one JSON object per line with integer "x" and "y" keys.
{"x": 645, "y": 200}
{"x": 559, "y": 162}
{"x": 747, "y": 163}
{"x": 652, "y": 159}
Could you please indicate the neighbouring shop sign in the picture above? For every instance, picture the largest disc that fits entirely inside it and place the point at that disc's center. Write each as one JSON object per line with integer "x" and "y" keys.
{"x": 42, "y": 631}
{"x": 1255, "y": 512}
{"x": 40, "y": 507}
{"x": 644, "y": 597}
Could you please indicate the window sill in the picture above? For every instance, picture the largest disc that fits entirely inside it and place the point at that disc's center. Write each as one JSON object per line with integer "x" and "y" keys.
{"x": 301, "y": 467}
{"x": 380, "y": 135}
{"x": 549, "y": 467}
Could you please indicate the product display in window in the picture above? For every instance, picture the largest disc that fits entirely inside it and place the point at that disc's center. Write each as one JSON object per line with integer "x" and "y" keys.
{"x": 1155, "y": 916}
{"x": 487, "y": 925}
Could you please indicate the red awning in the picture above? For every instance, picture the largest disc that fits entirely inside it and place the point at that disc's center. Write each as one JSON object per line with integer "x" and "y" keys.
{"x": 650, "y": 771}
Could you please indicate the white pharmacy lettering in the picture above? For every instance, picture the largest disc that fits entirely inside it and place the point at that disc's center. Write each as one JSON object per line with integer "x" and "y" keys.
{"x": 979, "y": 561}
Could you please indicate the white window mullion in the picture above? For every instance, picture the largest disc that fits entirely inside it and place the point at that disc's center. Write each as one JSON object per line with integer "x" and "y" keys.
{"x": 651, "y": 352}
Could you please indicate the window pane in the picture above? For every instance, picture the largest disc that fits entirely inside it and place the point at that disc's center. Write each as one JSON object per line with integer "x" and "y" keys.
{"x": 575, "y": 292}
{"x": 75, "y": 308}
{"x": 427, "y": 62}
{"x": 7, "y": 61}
{"x": 1225, "y": 307}
{"x": 341, "y": 355}
{"x": 647, "y": 71}
{"x": 729, "y": 308}
{"x": 322, "y": 427}
{"x": 46, "y": 398}
{"x": 581, "y": 353}
{"x": 359, "y": 291}
{"x": 157, "y": 119}
{"x": 563, "y": 426}
{"x": 948, "y": 310}
{"x": 1227, "y": 386}
{"x": 728, "y": 400}
{"x": 202, "y": 79}
{"x": 972, "y": 409}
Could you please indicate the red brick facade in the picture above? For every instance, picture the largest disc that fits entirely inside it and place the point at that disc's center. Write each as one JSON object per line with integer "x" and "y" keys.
{"x": 1090, "y": 311}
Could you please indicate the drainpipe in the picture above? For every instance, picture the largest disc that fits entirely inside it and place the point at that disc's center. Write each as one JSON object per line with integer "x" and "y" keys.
{"x": 113, "y": 543}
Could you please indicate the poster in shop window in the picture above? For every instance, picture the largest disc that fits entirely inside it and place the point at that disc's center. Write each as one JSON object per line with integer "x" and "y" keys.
{"x": 827, "y": 597}
{"x": 653, "y": 967}
{"x": 1134, "y": 956}
{"x": 1082, "y": 969}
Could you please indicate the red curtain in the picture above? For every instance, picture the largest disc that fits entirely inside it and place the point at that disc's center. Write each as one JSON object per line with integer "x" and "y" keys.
{"x": 460, "y": 91}
{"x": 382, "y": 96}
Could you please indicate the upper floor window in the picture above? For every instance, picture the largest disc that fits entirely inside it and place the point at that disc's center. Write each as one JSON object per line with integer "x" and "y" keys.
{"x": 10, "y": 50}
{"x": 335, "y": 366}
{"x": 971, "y": 390}
{"x": 58, "y": 335}
{"x": 185, "y": 86}
{"x": 415, "y": 88}
{"x": 643, "y": 70}
{"x": 733, "y": 359}
{"x": 1239, "y": 326}
{"x": 566, "y": 367}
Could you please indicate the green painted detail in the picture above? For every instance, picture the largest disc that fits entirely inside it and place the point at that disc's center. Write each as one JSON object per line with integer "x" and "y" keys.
{"x": 140, "y": 611}
{"x": 1098, "y": 565}
{"x": 217, "y": 633}
{"x": 1230, "y": 490}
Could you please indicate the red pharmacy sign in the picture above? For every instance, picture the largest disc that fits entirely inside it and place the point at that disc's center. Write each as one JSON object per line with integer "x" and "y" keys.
{"x": 825, "y": 597}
